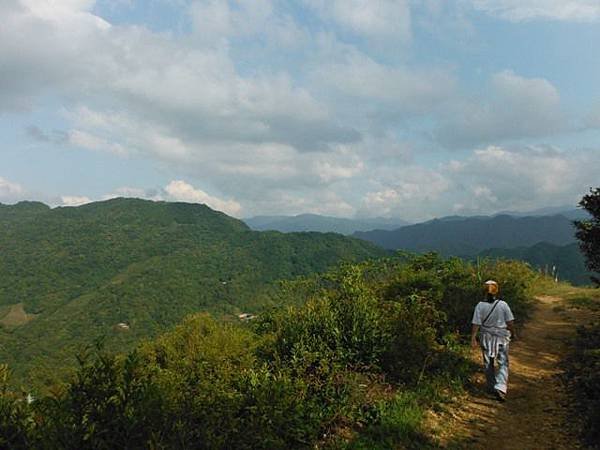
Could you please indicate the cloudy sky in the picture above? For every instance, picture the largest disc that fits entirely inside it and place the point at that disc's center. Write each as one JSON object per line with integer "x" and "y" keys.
{"x": 354, "y": 108}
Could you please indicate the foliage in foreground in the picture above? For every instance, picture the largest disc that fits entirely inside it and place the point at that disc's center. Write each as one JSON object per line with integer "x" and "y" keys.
{"x": 351, "y": 368}
{"x": 588, "y": 232}
{"x": 583, "y": 377}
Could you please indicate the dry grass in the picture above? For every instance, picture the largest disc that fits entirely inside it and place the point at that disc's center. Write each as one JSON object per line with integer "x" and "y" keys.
{"x": 15, "y": 316}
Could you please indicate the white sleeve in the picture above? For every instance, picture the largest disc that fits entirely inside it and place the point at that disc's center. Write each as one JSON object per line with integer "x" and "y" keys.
{"x": 476, "y": 316}
{"x": 508, "y": 315}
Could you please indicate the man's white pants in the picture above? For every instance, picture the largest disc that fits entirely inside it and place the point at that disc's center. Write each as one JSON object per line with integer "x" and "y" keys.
{"x": 497, "y": 379}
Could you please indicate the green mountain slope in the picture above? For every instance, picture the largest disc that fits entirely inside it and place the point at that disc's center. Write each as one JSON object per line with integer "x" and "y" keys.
{"x": 71, "y": 275}
{"x": 567, "y": 260}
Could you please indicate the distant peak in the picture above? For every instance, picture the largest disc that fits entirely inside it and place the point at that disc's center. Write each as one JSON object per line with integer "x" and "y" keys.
{"x": 28, "y": 205}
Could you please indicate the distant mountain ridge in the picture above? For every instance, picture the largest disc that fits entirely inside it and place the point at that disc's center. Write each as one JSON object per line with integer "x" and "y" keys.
{"x": 567, "y": 260}
{"x": 468, "y": 236}
{"x": 322, "y": 224}
{"x": 568, "y": 211}
{"x": 70, "y": 275}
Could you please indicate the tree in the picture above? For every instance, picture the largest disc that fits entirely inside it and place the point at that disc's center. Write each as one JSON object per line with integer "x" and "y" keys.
{"x": 588, "y": 232}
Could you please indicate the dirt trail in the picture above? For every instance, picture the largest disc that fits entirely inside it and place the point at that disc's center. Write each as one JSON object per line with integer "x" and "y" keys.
{"x": 534, "y": 415}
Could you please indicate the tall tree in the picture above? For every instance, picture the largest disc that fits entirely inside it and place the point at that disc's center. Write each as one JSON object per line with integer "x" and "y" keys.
{"x": 588, "y": 232}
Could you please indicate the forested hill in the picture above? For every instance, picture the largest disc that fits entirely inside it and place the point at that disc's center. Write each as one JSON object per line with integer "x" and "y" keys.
{"x": 71, "y": 275}
{"x": 469, "y": 236}
{"x": 567, "y": 260}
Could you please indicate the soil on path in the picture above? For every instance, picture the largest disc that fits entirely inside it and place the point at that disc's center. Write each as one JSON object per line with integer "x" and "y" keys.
{"x": 535, "y": 413}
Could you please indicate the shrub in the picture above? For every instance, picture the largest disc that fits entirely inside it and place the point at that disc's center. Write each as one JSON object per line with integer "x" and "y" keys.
{"x": 583, "y": 378}
{"x": 344, "y": 325}
{"x": 16, "y": 423}
{"x": 283, "y": 380}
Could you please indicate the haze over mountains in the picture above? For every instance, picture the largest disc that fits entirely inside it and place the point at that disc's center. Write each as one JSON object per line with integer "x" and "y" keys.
{"x": 468, "y": 236}
{"x": 323, "y": 224}
{"x": 543, "y": 237}
{"x": 346, "y": 226}
{"x": 542, "y": 240}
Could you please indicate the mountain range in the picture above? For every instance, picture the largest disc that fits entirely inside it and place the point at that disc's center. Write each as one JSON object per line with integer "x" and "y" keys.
{"x": 326, "y": 224}
{"x": 127, "y": 269}
{"x": 467, "y": 236}
{"x": 123, "y": 270}
{"x": 565, "y": 262}
{"x": 323, "y": 224}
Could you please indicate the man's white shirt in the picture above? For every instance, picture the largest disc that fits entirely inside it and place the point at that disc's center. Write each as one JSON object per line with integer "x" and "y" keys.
{"x": 493, "y": 333}
{"x": 497, "y": 319}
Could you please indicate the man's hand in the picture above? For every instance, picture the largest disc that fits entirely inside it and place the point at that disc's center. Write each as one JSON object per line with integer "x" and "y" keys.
{"x": 474, "y": 330}
{"x": 511, "y": 327}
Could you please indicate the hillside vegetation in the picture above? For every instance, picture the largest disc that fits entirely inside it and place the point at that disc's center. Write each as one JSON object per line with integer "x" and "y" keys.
{"x": 567, "y": 260}
{"x": 354, "y": 365}
{"x": 71, "y": 275}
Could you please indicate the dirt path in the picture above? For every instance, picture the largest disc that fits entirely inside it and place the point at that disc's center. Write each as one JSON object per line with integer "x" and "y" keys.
{"x": 534, "y": 415}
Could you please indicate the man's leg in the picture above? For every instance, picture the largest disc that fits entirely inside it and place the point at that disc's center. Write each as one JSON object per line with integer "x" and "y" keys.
{"x": 490, "y": 376}
{"x": 502, "y": 375}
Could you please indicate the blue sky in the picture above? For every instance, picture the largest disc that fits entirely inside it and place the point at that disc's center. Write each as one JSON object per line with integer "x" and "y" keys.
{"x": 353, "y": 108}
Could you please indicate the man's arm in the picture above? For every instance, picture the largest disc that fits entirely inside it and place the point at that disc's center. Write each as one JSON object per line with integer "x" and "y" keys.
{"x": 511, "y": 327}
{"x": 474, "y": 330}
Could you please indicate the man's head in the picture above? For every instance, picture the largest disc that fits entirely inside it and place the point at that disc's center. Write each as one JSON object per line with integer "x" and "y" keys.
{"x": 491, "y": 288}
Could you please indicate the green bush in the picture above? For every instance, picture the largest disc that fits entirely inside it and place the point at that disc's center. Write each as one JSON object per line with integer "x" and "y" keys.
{"x": 16, "y": 421}
{"x": 286, "y": 379}
{"x": 413, "y": 324}
{"x": 344, "y": 325}
{"x": 583, "y": 379}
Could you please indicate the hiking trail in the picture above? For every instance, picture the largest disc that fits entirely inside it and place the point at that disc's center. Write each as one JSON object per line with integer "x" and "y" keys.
{"x": 535, "y": 413}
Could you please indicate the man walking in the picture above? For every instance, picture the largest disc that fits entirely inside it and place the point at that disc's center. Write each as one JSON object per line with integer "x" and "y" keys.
{"x": 494, "y": 320}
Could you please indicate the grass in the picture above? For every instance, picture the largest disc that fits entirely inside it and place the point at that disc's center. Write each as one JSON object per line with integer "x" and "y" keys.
{"x": 582, "y": 362}
{"x": 15, "y": 315}
{"x": 399, "y": 420}
{"x": 575, "y": 296}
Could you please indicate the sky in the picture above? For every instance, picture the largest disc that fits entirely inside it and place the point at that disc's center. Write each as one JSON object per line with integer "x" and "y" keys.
{"x": 410, "y": 109}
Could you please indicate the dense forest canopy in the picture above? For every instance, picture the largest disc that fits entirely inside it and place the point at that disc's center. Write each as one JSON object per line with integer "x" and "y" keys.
{"x": 72, "y": 275}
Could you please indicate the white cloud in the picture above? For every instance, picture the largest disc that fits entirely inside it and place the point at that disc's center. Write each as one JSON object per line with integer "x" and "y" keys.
{"x": 524, "y": 178}
{"x": 525, "y": 10}
{"x": 405, "y": 192}
{"x": 218, "y": 19}
{"x": 134, "y": 192}
{"x": 404, "y": 89}
{"x": 181, "y": 191}
{"x": 283, "y": 114}
{"x": 187, "y": 91}
{"x": 9, "y": 190}
{"x": 83, "y": 139}
{"x": 323, "y": 201}
{"x": 74, "y": 200}
{"x": 488, "y": 180}
{"x": 370, "y": 18}
{"x": 517, "y": 107}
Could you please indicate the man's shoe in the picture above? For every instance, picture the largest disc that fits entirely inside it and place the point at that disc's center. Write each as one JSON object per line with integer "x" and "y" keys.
{"x": 501, "y": 396}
